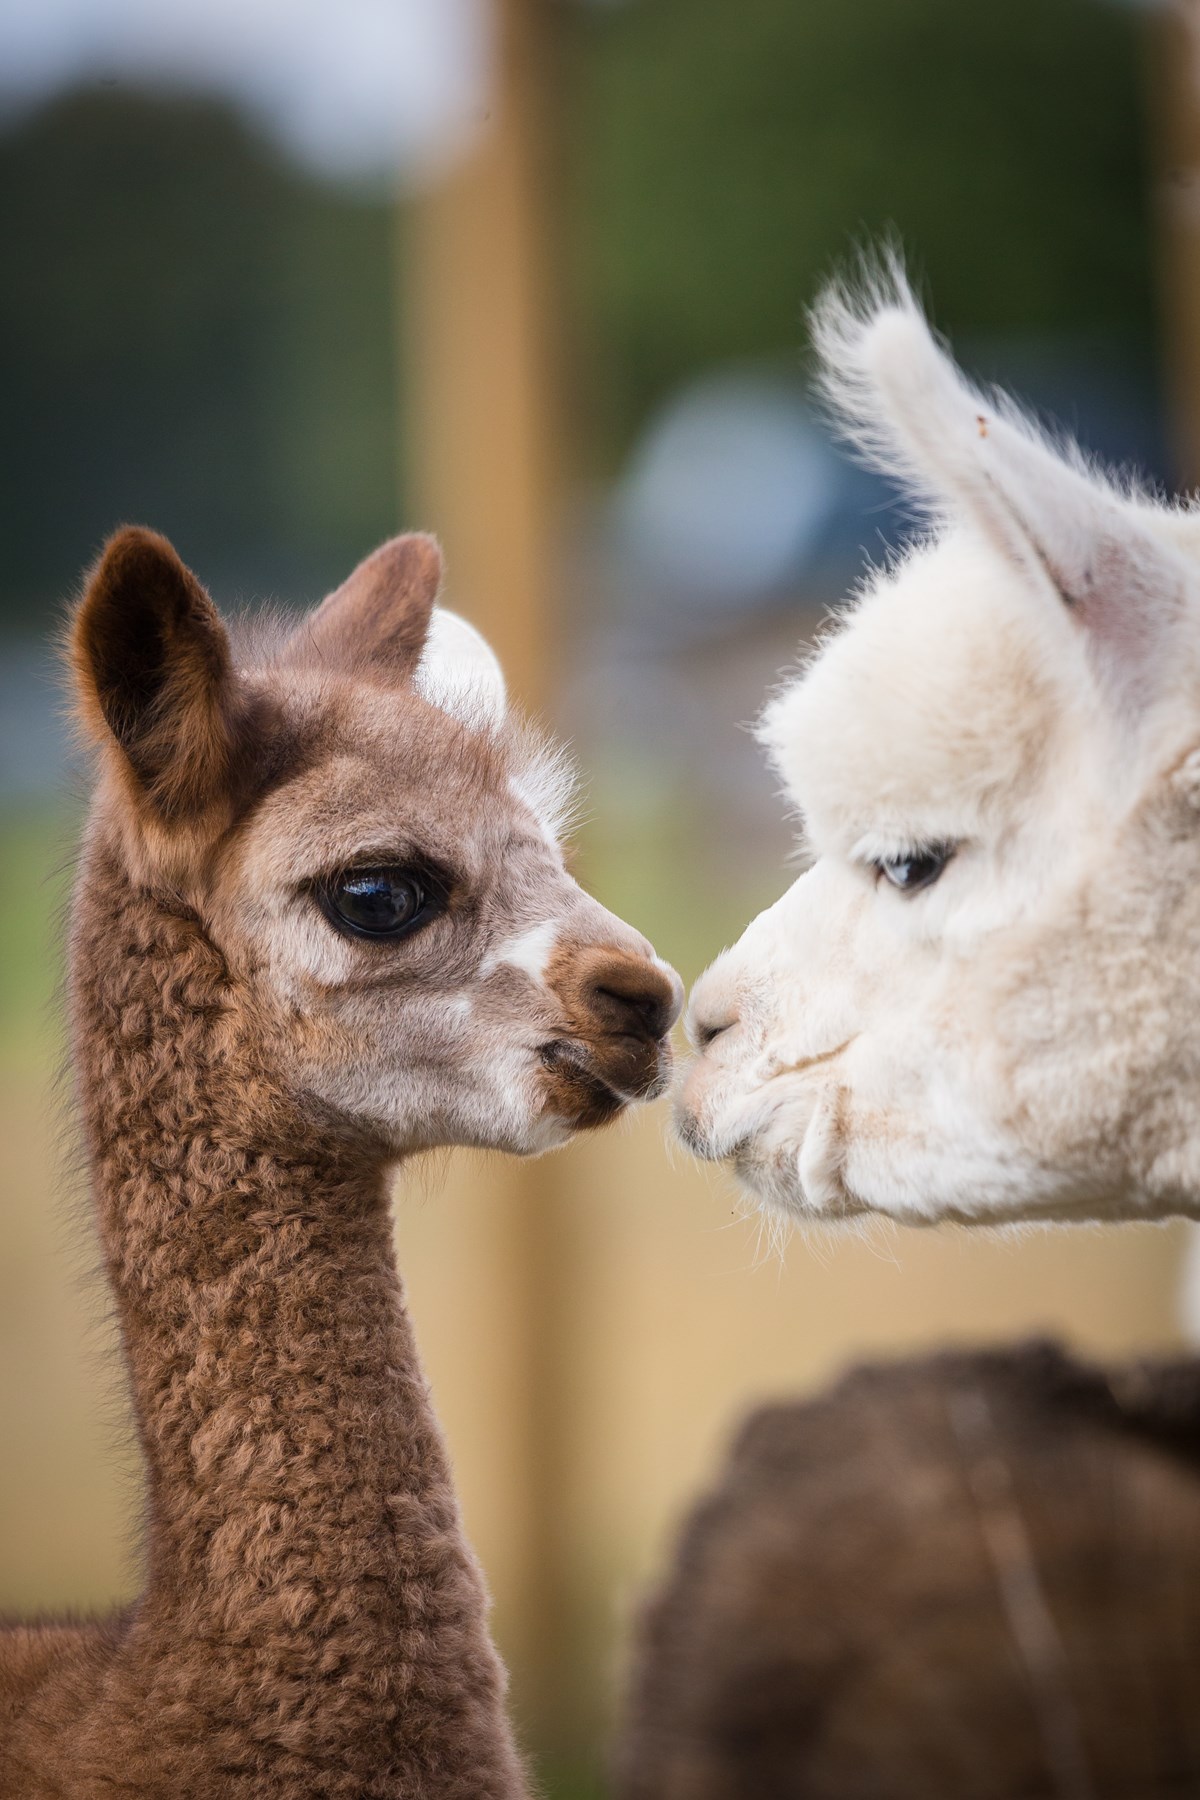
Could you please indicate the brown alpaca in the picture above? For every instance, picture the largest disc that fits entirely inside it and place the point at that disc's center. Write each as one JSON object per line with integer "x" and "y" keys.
{"x": 965, "y": 1578}
{"x": 321, "y": 922}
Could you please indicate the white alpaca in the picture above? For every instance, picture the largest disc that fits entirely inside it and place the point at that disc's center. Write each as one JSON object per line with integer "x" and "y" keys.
{"x": 982, "y": 1000}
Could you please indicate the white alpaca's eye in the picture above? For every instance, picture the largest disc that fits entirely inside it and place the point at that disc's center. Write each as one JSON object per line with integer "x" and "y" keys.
{"x": 916, "y": 869}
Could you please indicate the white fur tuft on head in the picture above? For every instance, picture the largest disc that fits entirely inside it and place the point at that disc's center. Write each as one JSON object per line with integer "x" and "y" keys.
{"x": 459, "y": 672}
{"x": 547, "y": 782}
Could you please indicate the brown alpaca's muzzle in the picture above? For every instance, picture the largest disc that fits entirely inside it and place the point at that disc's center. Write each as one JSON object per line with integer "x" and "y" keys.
{"x": 619, "y": 1007}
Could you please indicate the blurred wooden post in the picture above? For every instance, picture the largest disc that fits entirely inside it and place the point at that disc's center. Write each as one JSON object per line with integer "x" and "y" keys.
{"x": 482, "y": 429}
{"x": 482, "y": 440}
{"x": 1175, "y": 130}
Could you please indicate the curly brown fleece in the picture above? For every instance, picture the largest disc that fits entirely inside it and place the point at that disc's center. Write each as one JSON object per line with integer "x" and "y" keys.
{"x": 312, "y": 1622}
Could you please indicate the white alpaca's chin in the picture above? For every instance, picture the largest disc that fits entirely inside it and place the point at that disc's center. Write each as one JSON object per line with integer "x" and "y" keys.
{"x": 805, "y": 1182}
{"x": 775, "y": 1182}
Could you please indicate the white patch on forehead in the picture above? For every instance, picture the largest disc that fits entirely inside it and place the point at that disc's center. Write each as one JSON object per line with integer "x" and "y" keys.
{"x": 528, "y": 951}
{"x": 458, "y": 672}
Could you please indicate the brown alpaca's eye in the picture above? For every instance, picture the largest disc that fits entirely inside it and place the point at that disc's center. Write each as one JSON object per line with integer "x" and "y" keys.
{"x": 376, "y": 902}
{"x": 916, "y": 869}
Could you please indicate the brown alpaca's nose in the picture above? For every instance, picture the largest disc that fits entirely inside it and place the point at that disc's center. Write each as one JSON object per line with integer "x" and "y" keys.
{"x": 631, "y": 996}
{"x": 618, "y": 1006}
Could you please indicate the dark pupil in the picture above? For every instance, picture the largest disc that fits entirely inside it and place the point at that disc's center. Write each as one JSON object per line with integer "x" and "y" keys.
{"x": 378, "y": 900}
{"x": 917, "y": 871}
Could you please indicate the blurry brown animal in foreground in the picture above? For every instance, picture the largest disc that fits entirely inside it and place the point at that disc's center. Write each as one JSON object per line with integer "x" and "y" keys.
{"x": 964, "y": 1578}
{"x": 322, "y": 922}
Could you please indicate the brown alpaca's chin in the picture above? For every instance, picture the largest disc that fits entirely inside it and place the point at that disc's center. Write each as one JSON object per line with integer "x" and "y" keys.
{"x": 590, "y": 1086}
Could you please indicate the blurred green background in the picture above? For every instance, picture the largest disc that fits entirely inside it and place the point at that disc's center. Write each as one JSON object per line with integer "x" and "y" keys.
{"x": 278, "y": 346}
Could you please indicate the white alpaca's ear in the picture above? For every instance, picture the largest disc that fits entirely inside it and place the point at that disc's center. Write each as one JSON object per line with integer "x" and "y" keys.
{"x": 459, "y": 673}
{"x": 971, "y": 457}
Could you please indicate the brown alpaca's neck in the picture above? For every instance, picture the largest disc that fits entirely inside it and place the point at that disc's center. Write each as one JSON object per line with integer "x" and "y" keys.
{"x": 301, "y": 1521}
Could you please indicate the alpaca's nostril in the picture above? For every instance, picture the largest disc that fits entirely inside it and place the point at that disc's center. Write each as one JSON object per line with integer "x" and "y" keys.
{"x": 635, "y": 997}
{"x": 641, "y": 1014}
{"x": 706, "y": 1033}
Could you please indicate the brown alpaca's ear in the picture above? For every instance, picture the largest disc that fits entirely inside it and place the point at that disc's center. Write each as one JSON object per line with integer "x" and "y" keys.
{"x": 377, "y": 621}
{"x": 152, "y": 670}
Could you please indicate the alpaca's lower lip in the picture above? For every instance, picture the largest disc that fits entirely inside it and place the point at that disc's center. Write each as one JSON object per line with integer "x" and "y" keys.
{"x": 590, "y": 1099}
{"x": 691, "y": 1135}
{"x": 687, "y": 1130}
